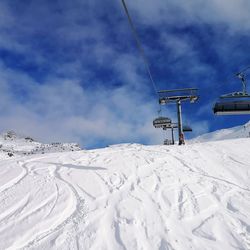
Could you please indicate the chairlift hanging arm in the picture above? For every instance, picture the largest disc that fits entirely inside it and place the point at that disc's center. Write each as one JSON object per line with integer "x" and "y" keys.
{"x": 178, "y": 90}
{"x": 242, "y": 76}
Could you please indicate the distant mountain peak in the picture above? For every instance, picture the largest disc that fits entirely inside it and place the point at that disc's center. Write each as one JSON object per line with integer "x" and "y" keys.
{"x": 13, "y": 144}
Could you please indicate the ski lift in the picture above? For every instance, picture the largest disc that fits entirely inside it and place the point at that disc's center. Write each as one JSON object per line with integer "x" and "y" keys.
{"x": 236, "y": 103}
{"x": 162, "y": 122}
{"x": 166, "y": 123}
{"x": 175, "y": 95}
{"x": 168, "y": 142}
{"x": 232, "y": 108}
{"x": 178, "y": 96}
{"x": 187, "y": 128}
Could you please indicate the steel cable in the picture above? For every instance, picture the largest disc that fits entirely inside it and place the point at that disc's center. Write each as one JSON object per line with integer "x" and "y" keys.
{"x": 140, "y": 48}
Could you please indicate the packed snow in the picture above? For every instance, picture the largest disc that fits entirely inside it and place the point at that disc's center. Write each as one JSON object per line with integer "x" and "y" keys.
{"x": 242, "y": 131}
{"x": 128, "y": 196}
{"x": 12, "y": 144}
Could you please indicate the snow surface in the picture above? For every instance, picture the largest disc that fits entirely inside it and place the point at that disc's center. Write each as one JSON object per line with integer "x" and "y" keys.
{"x": 12, "y": 144}
{"x": 242, "y": 131}
{"x": 128, "y": 197}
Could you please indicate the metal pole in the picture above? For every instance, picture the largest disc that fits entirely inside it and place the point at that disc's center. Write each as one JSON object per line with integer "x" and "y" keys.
{"x": 172, "y": 135}
{"x": 180, "y": 128}
{"x": 242, "y": 77}
{"x": 244, "y": 81}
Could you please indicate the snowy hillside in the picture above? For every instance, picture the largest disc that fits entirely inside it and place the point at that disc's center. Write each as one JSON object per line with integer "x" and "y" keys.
{"x": 12, "y": 145}
{"x": 128, "y": 197}
{"x": 225, "y": 134}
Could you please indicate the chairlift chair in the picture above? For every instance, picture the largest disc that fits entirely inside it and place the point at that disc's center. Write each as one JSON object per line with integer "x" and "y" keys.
{"x": 232, "y": 108}
{"x": 162, "y": 122}
{"x": 236, "y": 103}
{"x": 187, "y": 128}
{"x": 168, "y": 142}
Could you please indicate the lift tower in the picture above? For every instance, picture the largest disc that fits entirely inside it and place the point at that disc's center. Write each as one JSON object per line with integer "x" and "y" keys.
{"x": 178, "y": 96}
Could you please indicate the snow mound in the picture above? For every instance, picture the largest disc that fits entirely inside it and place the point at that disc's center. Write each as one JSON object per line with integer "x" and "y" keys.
{"x": 12, "y": 144}
{"x": 242, "y": 131}
{"x": 128, "y": 197}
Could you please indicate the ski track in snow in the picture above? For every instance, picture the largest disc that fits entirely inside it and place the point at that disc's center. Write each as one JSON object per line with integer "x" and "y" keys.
{"x": 128, "y": 197}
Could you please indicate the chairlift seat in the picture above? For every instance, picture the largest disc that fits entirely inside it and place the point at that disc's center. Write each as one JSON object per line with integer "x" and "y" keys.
{"x": 162, "y": 122}
{"x": 187, "y": 128}
{"x": 232, "y": 108}
{"x": 168, "y": 142}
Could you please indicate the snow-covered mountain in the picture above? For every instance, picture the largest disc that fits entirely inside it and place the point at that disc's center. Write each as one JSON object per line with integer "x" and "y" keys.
{"x": 242, "y": 131}
{"x": 12, "y": 144}
{"x": 128, "y": 196}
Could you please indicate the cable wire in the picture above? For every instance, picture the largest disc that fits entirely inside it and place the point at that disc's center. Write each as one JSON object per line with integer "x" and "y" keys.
{"x": 140, "y": 48}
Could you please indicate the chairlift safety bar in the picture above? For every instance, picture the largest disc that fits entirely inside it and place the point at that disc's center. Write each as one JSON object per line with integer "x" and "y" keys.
{"x": 235, "y": 95}
{"x": 177, "y": 90}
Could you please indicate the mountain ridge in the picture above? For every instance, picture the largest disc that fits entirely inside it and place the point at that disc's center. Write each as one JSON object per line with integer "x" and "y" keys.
{"x": 241, "y": 131}
{"x": 12, "y": 144}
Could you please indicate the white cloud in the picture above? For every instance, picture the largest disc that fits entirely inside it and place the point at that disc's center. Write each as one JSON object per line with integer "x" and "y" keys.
{"x": 62, "y": 110}
{"x": 233, "y": 13}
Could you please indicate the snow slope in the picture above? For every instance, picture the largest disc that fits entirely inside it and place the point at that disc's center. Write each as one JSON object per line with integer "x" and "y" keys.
{"x": 12, "y": 144}
{"x": 128, "y": 197}
{"x": 242, "y": 131}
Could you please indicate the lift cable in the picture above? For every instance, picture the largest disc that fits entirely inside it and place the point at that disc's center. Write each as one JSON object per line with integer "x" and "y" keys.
{"x": 140, "y": 47}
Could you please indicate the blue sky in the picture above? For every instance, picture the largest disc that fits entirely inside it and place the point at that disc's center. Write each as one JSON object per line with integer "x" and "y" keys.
{"x": 70, "y": 69}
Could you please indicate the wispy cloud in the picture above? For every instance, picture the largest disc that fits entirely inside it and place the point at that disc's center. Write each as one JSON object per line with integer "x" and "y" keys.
{"x": 234, "y": 14}
{"x": 62, "y": 109}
